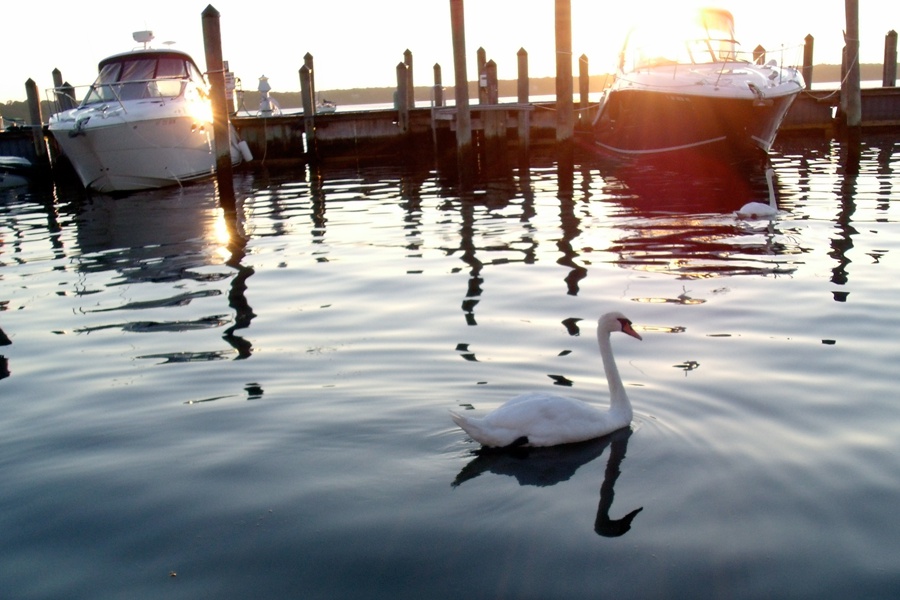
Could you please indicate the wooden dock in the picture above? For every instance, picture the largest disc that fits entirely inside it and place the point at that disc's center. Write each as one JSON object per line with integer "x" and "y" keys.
{"x": 379, "y": 133}
{"x": 425, "y": 132}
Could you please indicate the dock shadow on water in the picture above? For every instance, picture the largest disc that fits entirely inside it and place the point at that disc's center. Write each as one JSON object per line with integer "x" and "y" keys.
{"x": 544, "y": 467}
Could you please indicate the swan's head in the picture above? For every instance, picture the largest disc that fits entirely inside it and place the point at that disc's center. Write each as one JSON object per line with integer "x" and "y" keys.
{"x": 616, "y": 321}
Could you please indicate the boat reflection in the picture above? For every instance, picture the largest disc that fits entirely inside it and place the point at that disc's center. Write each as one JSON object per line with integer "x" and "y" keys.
{"x": 543, "y": 467}
{"x": 681, "y": 218}
{"x": 165, "y": 237}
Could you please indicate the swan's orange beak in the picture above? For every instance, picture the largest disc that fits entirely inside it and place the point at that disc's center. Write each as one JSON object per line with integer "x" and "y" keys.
{"x": 627, "y": 328}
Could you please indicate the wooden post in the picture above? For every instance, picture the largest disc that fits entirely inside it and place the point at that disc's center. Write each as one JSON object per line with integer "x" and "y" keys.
{"x": 493, "y": 87}
{"x": 410, "y": 88}
{"x": 852, "y": 82}
{"x": 465, "y": 154}
{"x": 759, "y": 55}
{"x": 565, "y": 117}
{"x": 889, "y": 76}
{"x": 308, "y": 63}
{"x": 309, "y": 112}
{"x": 494, "y": 124}
{"x": 584, "y": 87}
{"x": 212, "y": 43}
{"x": 438, "y": 96}
{"x": 523, "y": 97}
{"x": 808, "y": 60}
{"x": 62, "y": 92}
{"x": 403, "y": 97}
{"x": 481, "y": 61}
{"x": 522, "y": 56}
{"x": 35, "y": 120}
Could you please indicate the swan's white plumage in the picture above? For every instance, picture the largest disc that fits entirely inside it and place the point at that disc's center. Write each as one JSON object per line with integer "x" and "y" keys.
{"x": 542, "y": 419}
{"x": 758, "y": 210}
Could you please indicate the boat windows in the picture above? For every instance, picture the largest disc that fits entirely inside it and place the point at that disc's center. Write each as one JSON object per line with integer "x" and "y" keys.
{"x": 707, "y": 38}
{"x": 142, "y": 77}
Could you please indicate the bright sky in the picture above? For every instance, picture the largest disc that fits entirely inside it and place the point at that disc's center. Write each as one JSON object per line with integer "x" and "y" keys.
{"x": 358, "y": 43}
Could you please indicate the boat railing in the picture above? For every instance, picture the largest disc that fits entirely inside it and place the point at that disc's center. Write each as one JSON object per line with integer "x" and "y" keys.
{"x": 705, "y": 53}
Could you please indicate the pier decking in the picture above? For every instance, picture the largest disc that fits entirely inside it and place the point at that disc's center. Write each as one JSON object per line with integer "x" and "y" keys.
{"x": 383, "y": 132}
{"x": 380, "y": 133}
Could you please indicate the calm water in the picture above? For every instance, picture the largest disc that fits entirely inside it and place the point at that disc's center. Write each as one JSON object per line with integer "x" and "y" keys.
{"x": 185, "y": 416}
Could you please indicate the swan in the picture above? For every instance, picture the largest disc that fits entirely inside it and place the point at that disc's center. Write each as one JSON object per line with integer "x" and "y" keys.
{"x": 541, "y": 419}
{"x": 758, "y": 210}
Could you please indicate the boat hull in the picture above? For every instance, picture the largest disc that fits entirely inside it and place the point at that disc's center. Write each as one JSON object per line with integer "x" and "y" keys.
{"x": 116, "y": 154}
{"x": 641, "y": 122}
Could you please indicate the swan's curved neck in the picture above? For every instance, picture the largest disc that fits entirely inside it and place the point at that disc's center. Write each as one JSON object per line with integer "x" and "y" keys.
{"x": 618, "y": 398}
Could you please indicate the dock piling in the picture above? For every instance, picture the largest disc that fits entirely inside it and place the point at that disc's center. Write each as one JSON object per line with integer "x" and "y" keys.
{"x": 63, "y": 94}
{"x": 212, "y": 43}
{"x": 494, "y": 124}
{"x": 523, "y": 98}
{"x": 402, "y": 97}
{"x": 465, "y": 154}
{"x": 309, "y": 111}
{"x": 438, "y": 95}
{"x": 36, "y": 121}
{"x": 410, "y": 87}
{"x": 759, "y": 55}
{"x": 808, "y": 61}
{"x": 851, "y": 84}
{"x": 565, "y": 123}
{"x": 308, "y": 62}
{"x": 481, "y": 62}
{"x": 889, "y": 75}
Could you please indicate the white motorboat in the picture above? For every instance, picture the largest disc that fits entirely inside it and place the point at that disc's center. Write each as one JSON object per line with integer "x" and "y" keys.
{"x": 145, "y": 123}
{"x": 684, "y": 86}
{"x": 325, "y": 107}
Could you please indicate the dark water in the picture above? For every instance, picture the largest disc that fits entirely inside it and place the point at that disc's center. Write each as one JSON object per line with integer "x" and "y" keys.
{"x": 189, "y": 415}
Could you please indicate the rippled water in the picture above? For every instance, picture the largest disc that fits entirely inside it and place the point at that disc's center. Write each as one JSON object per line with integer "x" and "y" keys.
{"x": 186, "y": 415}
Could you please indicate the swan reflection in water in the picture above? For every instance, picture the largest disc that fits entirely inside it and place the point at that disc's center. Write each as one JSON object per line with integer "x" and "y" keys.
{"x": 543, "y": 467}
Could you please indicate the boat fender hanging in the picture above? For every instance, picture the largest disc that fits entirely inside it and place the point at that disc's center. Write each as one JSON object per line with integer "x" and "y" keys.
{"x": 245, "y": 151}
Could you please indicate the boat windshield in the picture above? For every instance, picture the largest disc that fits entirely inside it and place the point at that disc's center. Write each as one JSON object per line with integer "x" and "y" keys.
{"x": 706, "y": 38}
{"x": 142, "y": 77}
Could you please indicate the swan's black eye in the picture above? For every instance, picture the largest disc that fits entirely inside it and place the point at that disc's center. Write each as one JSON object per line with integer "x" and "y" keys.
{"x": 624, "y": 323}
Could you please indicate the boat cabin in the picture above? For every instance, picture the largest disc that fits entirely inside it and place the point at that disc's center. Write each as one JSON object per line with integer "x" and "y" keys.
{"x": 145, "y": 74}
{"x": 706, "y": 38}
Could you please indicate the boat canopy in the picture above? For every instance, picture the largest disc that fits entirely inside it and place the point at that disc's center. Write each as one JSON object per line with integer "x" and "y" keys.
{"x": 707, "y": 37}
{"x": 146, "y": 74}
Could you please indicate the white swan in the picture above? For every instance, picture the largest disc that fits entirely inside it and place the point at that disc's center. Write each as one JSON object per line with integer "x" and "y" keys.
{"x": 758, "y": 210}
{"x": 541, "y": 419}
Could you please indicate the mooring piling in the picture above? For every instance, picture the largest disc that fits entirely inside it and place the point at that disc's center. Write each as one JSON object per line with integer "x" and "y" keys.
{"x": 808, "y": 61}
{"x": 403, "y": 94}
{"x": 465, "y": 155}
{"x": 565, "y": 121}
{"x": 852, "y": 104}
{"x": 889, "y": 75}
{"x": 36, "y": 121}
{"x": 410, "y": 87}
{"x": 215, "y": 68}
{"x": 309, "y": 111}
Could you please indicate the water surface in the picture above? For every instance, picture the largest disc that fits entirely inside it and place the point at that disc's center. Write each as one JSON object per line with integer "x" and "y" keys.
{"x": 189, "y": 412}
